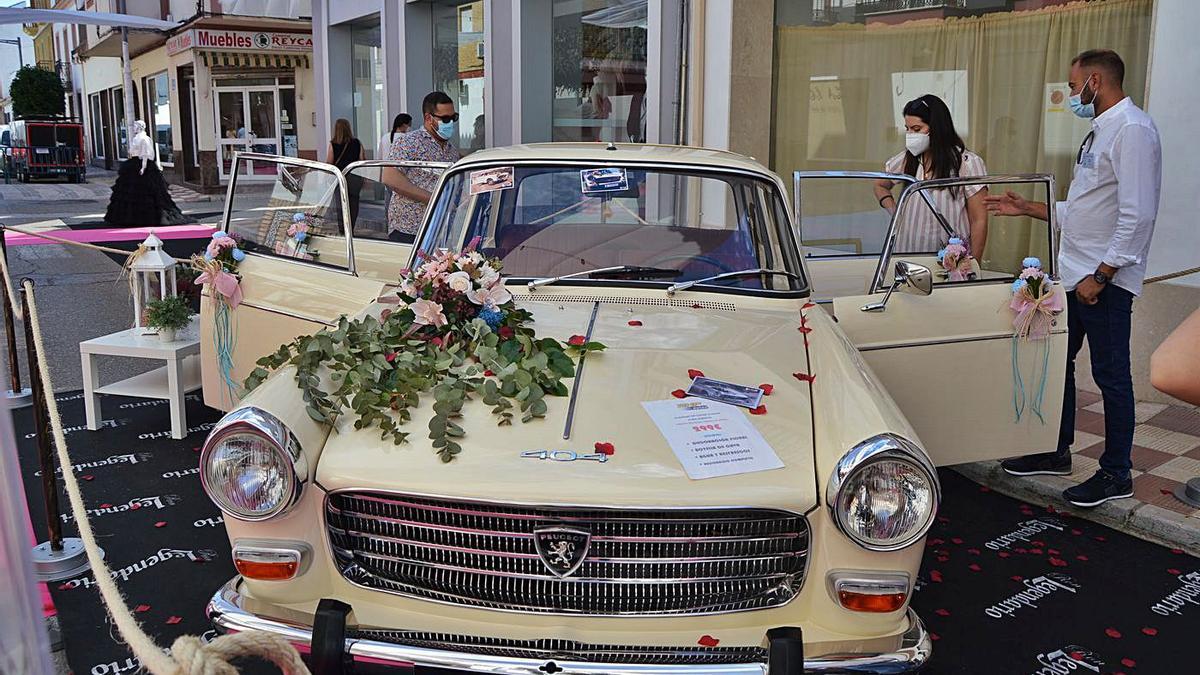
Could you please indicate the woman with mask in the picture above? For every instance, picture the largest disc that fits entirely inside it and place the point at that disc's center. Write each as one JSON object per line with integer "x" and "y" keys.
{"x": 933, "y": 149}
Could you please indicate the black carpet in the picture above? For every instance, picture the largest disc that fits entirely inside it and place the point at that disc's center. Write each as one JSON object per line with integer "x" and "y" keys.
{"x": 1006, "y": 587}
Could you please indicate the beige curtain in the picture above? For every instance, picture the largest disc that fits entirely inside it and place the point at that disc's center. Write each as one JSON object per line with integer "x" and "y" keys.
{"x": 837, "y": 91}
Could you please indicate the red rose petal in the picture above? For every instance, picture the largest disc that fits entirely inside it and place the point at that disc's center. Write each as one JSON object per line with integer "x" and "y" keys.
{"x": 1129, "y": 663}
{"x": 984, "y": 488}
{"x": 804, "y": 329}
{"x": 956, "y": 540}
{"x": 935, "y": 576}
{"x": 973, "y": 551}
{"x": 1150, "y": 631}
{"x": 1113, "y": 633}
{"x": 1099, "y": 538}
{"x": 1084, "y": 558}
{"x": 1172, "y": 570}
{"x": 161, "y": 523}
{"x": 708, "y": 641}
{"x": 942, "y": 612}
{"x": 679, "y": 393}
{"x": 808, "y": 305}
{"x": 1076, "y": 532}
{"x": 974, "y": 568}
{"x": 1052, "y": 551}
{"x": 697, "y": 305}
{"x": 804, "y": 377}
{"x": 87, "y": 476}
{"x": 635, "y": 322}
{"x": 1177, "y": 551}
{"x": 766, "y": 389}
{"x": 605, "y": 448}
{"x": 64, "y": 587}
{"x": 935, "y": 637}
{"x": 1017, "y": 577}
{"x": 1166, "y": 492}
{"x": 1058, "y": 562}
{"x": 106, "y": 505}
{"x": 174, "y": 619}
{"x": 760, "y": 410}
{"x": 142, "y": 608}
{"x": 693, "y": 373}
{"x": 1003, "y": 554}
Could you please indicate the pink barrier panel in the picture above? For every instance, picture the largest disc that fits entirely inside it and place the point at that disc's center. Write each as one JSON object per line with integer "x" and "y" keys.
{"x": 111, "y": 234}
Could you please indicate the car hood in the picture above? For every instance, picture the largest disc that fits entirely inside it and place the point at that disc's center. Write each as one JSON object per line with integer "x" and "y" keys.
{"x": 650, "y": 349}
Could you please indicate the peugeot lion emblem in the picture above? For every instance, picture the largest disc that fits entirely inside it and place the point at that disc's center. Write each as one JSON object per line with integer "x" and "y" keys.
{"x": 561, "y": 549}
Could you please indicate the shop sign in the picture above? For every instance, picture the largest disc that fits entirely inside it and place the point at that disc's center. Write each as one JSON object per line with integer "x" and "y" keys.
{"x": 204, "y": 38}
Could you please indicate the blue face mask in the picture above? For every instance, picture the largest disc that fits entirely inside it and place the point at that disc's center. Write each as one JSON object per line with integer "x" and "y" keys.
{"x": 1085, "y": 110}
{"x": 446, "y": 129}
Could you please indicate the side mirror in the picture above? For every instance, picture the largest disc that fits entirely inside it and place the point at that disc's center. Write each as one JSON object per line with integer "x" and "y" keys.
{"x": 910, "y": 278}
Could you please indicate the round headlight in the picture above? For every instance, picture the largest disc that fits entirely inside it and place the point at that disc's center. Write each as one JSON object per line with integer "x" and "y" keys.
{"x": 884, "y": 494}
{"x": 251, "y": 465}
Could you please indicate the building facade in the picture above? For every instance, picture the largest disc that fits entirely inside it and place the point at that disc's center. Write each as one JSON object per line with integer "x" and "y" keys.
{"x": 235, "y": 76}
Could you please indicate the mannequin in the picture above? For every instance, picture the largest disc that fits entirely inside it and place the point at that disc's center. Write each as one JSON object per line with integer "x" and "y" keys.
{"x": 140, "y": 197}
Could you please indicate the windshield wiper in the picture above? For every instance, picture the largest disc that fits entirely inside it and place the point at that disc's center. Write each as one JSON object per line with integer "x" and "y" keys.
{"x": 608, "y": 272}
{"x": 673, "y": 288}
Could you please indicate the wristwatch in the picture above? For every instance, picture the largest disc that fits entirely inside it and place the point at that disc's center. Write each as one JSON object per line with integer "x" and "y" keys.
{"x": 1100, "y": 277}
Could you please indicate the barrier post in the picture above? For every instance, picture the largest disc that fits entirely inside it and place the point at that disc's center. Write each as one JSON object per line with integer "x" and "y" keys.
{"x": 57, "y": 558}
{"x": 18, "y": 397}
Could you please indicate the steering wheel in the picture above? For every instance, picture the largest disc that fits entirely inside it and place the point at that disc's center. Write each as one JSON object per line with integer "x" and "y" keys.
{"x": 657, "y": 262}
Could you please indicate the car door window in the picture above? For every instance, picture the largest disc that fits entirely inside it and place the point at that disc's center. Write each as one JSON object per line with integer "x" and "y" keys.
{"x": 298, "y": 214}
{"x": 916, "y": 236}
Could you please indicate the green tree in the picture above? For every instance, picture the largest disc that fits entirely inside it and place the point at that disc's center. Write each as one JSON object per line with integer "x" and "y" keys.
{"x": 36, "y": 92}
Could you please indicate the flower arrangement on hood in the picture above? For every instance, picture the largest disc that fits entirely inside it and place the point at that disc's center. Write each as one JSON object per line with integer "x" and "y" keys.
{"x": 451, "y": 329}
{"x": 956, "y": 260}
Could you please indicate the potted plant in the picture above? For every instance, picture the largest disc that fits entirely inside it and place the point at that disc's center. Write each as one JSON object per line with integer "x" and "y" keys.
{"x": 168, "y": 316}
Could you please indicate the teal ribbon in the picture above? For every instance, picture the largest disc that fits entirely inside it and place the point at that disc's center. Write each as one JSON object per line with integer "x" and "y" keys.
{"x": 224, "y": 342}
{"x": 1018, "y": 383}
{"x": 1040, "y": 375}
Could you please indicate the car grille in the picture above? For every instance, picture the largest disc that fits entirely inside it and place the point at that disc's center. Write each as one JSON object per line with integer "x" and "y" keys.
{"x": 564, "y": 650}
{"x": 638, "y": 562}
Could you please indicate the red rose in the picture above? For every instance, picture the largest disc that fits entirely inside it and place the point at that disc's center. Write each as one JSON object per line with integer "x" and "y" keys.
{"x": 390, "y": 357}
{"x": 635, "y": 322}
{"x": 679, "y": 393}
{"x": 577, "y": 340}
{"x": 506, "y": 332}
{"x": 488, "y": 373}
{"x": 605, "y": 448}
{"x": 766, "y": 389}
{"x": 693, "y": 373}
{"x": 437, "y": 341}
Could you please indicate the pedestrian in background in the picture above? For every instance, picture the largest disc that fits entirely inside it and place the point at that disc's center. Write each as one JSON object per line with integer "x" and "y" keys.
{"x": 933, "y": 149}
{"x": 413, "y": 186}
{"x": 1106, "y": 221}
{"x": 400, "y": 126}
{"x": 344, "y": 149}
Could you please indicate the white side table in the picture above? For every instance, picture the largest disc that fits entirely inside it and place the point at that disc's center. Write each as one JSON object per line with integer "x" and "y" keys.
{"x": 180, "y": 375}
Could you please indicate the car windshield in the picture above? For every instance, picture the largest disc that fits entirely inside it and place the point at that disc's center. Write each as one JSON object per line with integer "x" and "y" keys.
{"x": 546, "y": 221}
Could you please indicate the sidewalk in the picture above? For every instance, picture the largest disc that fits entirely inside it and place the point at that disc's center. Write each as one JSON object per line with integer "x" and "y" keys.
{"x": 97, "y": 188}
{"x": 1166, "y": 453}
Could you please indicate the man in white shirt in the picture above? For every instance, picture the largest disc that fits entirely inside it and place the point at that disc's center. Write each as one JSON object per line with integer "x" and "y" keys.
{"x": 1107, "y": 221}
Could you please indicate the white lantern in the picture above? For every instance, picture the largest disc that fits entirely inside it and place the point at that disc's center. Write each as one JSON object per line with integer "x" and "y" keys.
{"x": 153, "y": 279}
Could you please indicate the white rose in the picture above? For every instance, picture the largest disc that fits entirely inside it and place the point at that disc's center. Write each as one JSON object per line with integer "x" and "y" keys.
{"x": 459, "y": 281}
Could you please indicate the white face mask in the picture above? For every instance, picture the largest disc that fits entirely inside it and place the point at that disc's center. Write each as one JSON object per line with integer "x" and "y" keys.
{"x": 916, "y": 143}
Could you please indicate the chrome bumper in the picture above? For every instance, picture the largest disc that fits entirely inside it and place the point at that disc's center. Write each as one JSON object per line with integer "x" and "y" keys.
{"x": 226, "y": 612}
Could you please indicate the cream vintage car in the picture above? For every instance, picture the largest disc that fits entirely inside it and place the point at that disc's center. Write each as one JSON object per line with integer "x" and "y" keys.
{"x": 531, "y": 553}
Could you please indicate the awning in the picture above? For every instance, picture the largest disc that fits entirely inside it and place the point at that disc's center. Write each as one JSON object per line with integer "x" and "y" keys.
{"x": 253, "y": 60}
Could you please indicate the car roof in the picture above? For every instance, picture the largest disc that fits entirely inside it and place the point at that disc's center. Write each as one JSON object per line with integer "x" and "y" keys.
{"x": 607, "y": 153}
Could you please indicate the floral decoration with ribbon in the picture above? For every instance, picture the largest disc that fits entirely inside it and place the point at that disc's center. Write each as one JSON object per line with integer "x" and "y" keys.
{"x": 217, "y": 270}
{"x": 1035, "y": 303}
{"x": 956, "y": 260}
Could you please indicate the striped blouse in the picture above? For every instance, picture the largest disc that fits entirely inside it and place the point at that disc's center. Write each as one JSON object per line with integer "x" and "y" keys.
{"x": 920, "y": 231}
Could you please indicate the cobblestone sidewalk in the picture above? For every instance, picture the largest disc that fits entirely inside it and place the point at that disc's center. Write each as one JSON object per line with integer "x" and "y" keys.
{"x": 98, "y": 188}
{"x": 1166, "y": 453}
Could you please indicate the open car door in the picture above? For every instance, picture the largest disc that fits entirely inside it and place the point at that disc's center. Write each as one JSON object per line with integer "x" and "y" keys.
{"x": 969, "y": 389}
{"x": 290, "y": 285}
{"x": 376, "y": 255}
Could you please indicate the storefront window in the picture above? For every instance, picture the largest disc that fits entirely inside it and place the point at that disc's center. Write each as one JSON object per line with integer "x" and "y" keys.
{"x": 158, "y": 102}
{"x": 98, "y": 128}
{"x": 118, "y": 106}
{"x": 844, "y": 71}
{"x": 458, "y": 67}
{"x": 368, "y": 103}
{"x": 598, "y": 56}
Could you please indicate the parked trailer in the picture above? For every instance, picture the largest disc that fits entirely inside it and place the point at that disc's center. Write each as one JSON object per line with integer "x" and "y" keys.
{"x": 50, "y": 147}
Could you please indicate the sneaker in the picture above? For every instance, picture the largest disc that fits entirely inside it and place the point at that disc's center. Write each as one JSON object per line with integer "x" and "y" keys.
{"x": 1098, "y": 489}
{"x": 1044, "y": 464}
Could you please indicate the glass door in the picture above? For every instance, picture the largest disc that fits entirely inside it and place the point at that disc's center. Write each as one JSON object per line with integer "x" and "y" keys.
{"x": 262, "y": 110}
{"x": 231, "y": 129}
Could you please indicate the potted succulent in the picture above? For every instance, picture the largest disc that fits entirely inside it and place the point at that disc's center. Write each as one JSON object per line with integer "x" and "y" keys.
{"x": 168, "y": 316}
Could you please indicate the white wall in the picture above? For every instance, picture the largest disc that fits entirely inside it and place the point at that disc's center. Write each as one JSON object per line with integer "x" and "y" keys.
{"x": 1173, "y": 102}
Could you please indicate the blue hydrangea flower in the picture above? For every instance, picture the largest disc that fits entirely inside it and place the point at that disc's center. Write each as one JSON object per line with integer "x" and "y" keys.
{"x": 238, "y": 254}
{"x": 297, "y": 217}
{"x": 956, "y": 240}
{"x": 1031, "y": 262}
{"x": 1018, "y": 285}
{"x": 219, "y": 234}
{"x": 942, "y": 253}
{"x": 492, "y": 317}
{"x": 301, "y": 236}
{"x": 207, "y": 257}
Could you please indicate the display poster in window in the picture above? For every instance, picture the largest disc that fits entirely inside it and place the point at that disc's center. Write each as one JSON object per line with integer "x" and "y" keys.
{"x": 711, "y": 439}
{"x": 490, "y": 180}
{"x": 604, "y": 180}
{"x": 290, "y": 146}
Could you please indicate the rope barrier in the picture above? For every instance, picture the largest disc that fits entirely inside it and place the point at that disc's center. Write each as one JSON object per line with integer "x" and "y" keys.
{"x": 188, "y": 655}
{"x": 1172, "y": 275}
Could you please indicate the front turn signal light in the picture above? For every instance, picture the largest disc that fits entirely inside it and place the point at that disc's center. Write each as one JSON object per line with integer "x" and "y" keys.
{"x": 267, "y": 563}
{"x": 873, "y": 592}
